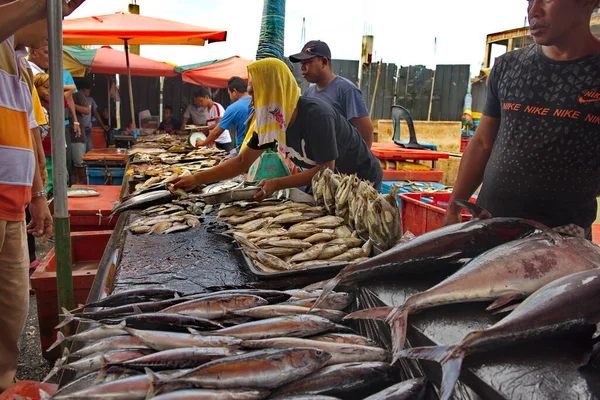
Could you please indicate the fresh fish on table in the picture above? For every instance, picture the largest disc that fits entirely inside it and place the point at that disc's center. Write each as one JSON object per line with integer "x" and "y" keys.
{"x": 288, "y": 326}
{"x": 267, "y": 232}
{"x": 111, "y": 343}
{"x": 296, "y": 243}
{"x": 96, "y": 361}
{"x": 350, "y": 255}
{"x": 91, "y": 335}
{"x": 332, "y": 251}
{"x": 566, "y": 304}
{"x": 412, "y": 389}
{"x": 281, "y": 251}
{"x": 142, "y": 201}
{"x": 82, "y": 192}
{"x": 268, "y": 260}
{"x": 340, "y": 379}
{"x": 510, "y": 271}
{"x": 467, "y": 239}
{"x": 272, "y": 296}
{"x": 212, "y": 394}
{"x": 333, "y": 301}
{"x": 159, "y": 341}
{"x": 270, "y": 368}
{"x": 281, "y": 310}
{"x": 178, "y": 358}
{"x": 340, "y": 352}
{"x": 163, "y": 322}
{"x": 320, "y": 237}
{"x": 347, "y": 338}
{"x": 309, "y": 254}
{"x": 216, "y": 306}
{"x": 306, "y": 397}
{"x": 132, "y": 296}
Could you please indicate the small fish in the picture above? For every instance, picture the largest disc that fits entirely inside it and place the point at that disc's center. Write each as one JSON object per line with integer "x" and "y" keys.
{"x": 96, "y": 361}
{"x": 281, "y": 251}
{"x": 340, "y": 352}
{"x": 269, "y": 260}
{"x": 342, "y": 232}
{"x": 280, "y": 310}
{"x": 349, "y": 242}
{"x": 270, "y": 368}
{"x": 178, "y": 358}
{"x": 350, "y": 255}
{"x": 215, "y": 306}
{"x": 310, "y": 254}
{"x": 177, "y": 228}
{"x": 412, "y": 389}
{"x": 289, "y": 218}
{"x": 296, "y": 243}
{"x": 289, "y": 326}
{"x": 332, "y": 301}
{"x": 267, "y": 233}
{"x": 161, "y": 227}
{"x": 303, "y": 233}
{"x": 347, "y": 338}
{"x": 164, "y": 322}
{"x": 82, "y": 192}
{"x": 94, "y": 334}
{"x": 132, "y": 296}
{"x": 111, "y": 343}
{"x": 140, "y": 229}
{"x": 172, "y": 340}
{"x": 340, "y": 379}
{"x": 192, "y": 221}
{"x": 211, "y": 394}
{"x": 320, "y": 237}
{"x": 254, "y": 225}
{"x": 332, "y": 251}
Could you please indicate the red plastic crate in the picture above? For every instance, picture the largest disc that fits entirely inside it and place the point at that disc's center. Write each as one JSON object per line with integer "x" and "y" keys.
{"x": 420, "y": 217}
{"x": 464, "y": 142}
{"x": 391, "y": 151}
{"x": 422, "y": 176}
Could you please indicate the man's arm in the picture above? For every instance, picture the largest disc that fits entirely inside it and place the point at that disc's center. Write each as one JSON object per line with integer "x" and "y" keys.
{"x": 472, "y": 166}
{"x": 39, "y": 154}
{"x": 228, "y": 169}
{"x": 41, "y": 219}
{"x": 212, "y": 136}
{"x": 99, "y": 119}
{"x": 82, "y": 109}
{"x": 364, "y": 126}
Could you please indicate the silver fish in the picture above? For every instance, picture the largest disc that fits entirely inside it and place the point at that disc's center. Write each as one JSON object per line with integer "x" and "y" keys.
{"x": 111, "y": 343}
{"x": 172, "y": 340}
{"x": 213, "y": 394}
{"x": 215, "y": 306}
{"x": 412, "y": 389}
{"x": 82, "y": 192}
{"x": 347, "y": 338}
{"x": 290, "y": 326}
{"x": 280, "y": 310}
{"x": 91, "y": 335}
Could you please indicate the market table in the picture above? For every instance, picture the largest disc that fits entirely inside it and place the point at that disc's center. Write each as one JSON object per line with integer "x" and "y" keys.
{"x": 92, "y": 213}
{"x": 199, "y": 258}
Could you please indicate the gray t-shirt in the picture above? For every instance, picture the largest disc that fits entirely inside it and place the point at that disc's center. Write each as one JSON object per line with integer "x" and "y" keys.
{"x": 545, "y": 162}
{"x": 320, "y": 134}
{"x": 343, "y": 95}
{"x": 87, "y": 118}
{"x": 197, "y": 114}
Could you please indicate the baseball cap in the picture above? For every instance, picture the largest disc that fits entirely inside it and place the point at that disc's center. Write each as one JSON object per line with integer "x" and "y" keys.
{"x": 312, "y": 49}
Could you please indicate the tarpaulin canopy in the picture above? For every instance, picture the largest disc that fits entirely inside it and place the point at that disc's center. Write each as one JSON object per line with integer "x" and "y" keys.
{"x": 129, "y": 29}
{"x": 137, "y": 29}
{"x": 215, "y": 73}
{"x": 107, "y": 60}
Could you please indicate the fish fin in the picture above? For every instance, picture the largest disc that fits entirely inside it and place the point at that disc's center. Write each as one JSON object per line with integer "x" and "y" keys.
{"x": 193, "y": 331}
{"x": 44, "y": 395}
{"x": 327, "y": 289}
{"x": 156, "y": 383}
{"x": 68, "y": 318}
{"x": 122, "y": 324}
{"x": 137, "y": 310}
{"x": 555, "y": 236}
{"x": 502, "y": 301}
{"x": 59, "y": 339}
{"x": 450, "y": 357}
{"x": 476, "y": 211}
{"x": 596, "y": 334}
{"x": 378, "y": 313}
{"x": 57, "y": 366}
{"x": 79, "y": 308}
{"x": 506, "y": 309}
{"x": 176, "y": 295}
{"x": 397, "y": 320}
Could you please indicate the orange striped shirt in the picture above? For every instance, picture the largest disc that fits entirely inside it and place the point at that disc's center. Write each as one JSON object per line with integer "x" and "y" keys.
{"x": 17, "y": 160}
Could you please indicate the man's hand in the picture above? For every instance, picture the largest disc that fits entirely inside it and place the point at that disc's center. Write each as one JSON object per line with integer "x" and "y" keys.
{"x": 77, "y": 130}
{"x": 452, "y": 215}
{"x": 105, "y": 127}
{"x": 269, "y": 186}
{"x": 186, "y": 183}
{"x": 41, "y": 219}
{"x": 200, "y": 143}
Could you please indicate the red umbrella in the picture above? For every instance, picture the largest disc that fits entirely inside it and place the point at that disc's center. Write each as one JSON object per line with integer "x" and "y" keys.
{"x": 215, "y": 73}
{"x": 128, "y": 29}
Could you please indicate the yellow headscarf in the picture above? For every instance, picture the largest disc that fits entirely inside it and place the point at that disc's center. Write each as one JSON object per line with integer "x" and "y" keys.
{"x": 276, "y": 94}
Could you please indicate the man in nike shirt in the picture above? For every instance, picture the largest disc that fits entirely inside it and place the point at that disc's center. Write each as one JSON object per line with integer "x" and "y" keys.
{"x": 537, "y": 148}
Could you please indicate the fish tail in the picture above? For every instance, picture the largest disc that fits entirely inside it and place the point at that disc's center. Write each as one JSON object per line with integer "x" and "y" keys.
{"x": 156, "y": 383}
{"x": 476, "y": 211}
{"x": 59, "y": 339}
{"x": 378, "y": 313}
{"x": 44, "y": 395}
{"x": 397, "y": 320}
{"x": 79, "y": 308}
{"x": 68, "y": 318}
{"x": 57, "y": 366}
{"x": 450, "y": 357}
{"x": 327, "y": 289}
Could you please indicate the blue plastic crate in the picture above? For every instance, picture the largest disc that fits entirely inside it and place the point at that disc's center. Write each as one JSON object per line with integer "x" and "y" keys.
{"x": 97, "y": 175}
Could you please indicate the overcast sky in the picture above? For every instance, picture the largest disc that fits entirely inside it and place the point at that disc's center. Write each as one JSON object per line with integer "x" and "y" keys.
{"x": 405, "y": 30}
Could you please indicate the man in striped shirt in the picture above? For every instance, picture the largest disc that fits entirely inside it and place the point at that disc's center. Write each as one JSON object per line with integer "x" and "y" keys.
{"x": 22, "y": 24}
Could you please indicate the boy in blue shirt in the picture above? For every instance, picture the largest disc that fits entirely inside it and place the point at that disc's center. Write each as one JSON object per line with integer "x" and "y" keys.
{"x": 235, "y": 117}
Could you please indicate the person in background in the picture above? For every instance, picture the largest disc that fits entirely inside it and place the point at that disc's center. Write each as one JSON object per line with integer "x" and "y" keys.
{"x": 309, "y": 130}
{"x": 213, "y": 112}
{"x": 536, "y": 151}
{"x": 235, "y": 117}
{"x": 169, "y": 124}
{"x": 338, "y": 91}
{"x": 195, "y": 112}
{"x": 79, "y": 144}
{"x": 86, "y": 89}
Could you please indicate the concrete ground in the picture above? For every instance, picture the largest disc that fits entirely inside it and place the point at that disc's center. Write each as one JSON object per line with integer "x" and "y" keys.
{"x": 32, "y": 366}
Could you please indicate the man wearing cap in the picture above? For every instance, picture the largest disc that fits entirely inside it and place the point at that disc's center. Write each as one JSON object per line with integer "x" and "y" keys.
{"x": 338, "y": 91}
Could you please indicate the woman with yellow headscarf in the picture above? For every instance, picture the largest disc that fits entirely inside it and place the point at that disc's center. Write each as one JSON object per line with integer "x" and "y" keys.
{"x": 308, "y": 130}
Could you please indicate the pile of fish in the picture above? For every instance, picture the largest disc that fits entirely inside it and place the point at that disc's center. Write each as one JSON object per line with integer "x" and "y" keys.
{"x": 284, "y": 236}
{"x": 372, "y": 215}
{"x": 511, "y": 259}
{"x": 178, "y": 215}
{"x": 230, "y": 344}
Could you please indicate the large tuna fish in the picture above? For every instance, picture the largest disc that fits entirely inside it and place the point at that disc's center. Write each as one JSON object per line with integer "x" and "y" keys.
{"x": 510, "y": 271}
{"x": 568, "y": 303}
{"x": 467, "y": 239}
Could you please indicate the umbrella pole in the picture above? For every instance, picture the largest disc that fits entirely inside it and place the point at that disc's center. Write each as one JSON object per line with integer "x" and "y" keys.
{"x": 129, "y": 83}
{"x": 62, "y": 231}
